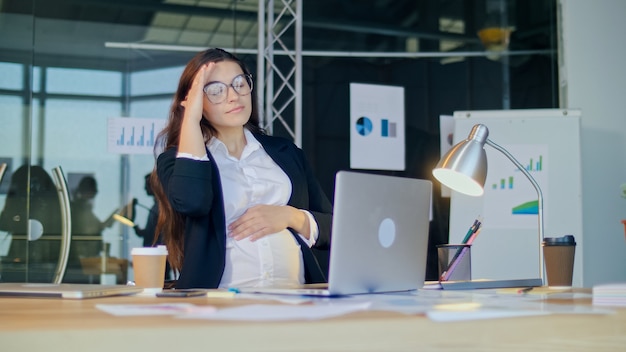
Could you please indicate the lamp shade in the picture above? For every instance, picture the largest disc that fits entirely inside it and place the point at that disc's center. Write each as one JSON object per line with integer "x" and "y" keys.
{"x": 464, "y": 167}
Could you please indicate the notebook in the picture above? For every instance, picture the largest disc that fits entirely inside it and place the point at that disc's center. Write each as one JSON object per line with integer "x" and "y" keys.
{"x": 71, "y": 291}
{"x": 379, "y": 237}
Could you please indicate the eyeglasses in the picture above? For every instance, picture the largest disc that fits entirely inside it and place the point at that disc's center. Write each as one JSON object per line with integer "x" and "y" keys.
{"x": 217, "y": 92}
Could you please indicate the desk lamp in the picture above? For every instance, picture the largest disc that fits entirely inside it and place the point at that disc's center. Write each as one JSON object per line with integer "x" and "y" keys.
{"x": 464, "y": 169}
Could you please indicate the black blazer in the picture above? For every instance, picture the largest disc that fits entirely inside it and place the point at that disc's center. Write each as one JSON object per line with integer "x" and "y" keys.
{"x": 194, "y": 189}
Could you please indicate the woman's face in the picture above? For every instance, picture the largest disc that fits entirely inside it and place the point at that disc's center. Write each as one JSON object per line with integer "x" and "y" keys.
{"x": 234, "y": 111}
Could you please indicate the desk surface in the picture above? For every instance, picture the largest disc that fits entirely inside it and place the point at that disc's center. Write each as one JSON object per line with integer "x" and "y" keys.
{"x": 28, "y": 324}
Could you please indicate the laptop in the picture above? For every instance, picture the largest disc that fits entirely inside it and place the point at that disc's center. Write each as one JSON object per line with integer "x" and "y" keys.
{"x": 379, "y": 237}
{"x": 70, "y": 291}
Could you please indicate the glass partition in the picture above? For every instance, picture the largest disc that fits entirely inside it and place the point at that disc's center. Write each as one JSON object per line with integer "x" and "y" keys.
{"x": 16, "y": 192}
{"x": 76, "y": 77}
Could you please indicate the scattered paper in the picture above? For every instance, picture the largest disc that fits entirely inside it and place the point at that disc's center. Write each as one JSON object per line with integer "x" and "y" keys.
{"x": 612, "y": 294}
{"x": 440, "y": 306}
{"x": 534, "y": 290}
{"x": 154, "y": 309}
{"x": 272, "y": 312}
{"x": 276, "y": 298}
{"x": 452, "y": 315}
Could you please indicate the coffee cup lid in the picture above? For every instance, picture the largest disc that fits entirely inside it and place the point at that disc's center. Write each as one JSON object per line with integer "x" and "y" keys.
{"x": 159, "y": 250}
{"x": 567, "y": 240}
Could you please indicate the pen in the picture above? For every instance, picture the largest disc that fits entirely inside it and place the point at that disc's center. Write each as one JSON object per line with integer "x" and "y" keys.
{"x": 524, "y": 290}
{"x": 471, "y": 230}
{"x": 474, "y": 235}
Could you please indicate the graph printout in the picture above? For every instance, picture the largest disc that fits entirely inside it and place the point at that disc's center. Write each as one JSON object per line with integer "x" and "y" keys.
{"x": 128, "y": 135}
{"x": 377, "y": 127}
{"x": 510, "y": 200}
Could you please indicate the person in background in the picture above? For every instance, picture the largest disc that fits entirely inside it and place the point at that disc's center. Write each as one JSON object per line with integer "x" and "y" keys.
{"x": 149, "y": 230}
{"x": 237, "y": 207}
{"x": 84, "y": 221}
{"x": 86, "y": 230}
{"x": 147, "y": 233}
{"x": 32, "y": 196}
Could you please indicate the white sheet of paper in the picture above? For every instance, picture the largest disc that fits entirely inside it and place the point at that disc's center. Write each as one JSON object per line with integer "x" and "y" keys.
{"x": 271, "y": 312}
{"x": 153, "y": 309}
{"x": 377, "y": 132}
{"x": 452, "y": 315}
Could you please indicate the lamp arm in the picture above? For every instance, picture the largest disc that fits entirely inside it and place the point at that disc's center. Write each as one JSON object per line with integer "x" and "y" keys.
{"x": 539, "y": 201}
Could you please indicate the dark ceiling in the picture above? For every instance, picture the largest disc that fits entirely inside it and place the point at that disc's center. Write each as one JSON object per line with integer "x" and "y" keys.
{"x": 80, "y": 28}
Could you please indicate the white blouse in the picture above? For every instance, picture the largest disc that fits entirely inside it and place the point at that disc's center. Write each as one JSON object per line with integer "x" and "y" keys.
{"x": 255, "y": 179}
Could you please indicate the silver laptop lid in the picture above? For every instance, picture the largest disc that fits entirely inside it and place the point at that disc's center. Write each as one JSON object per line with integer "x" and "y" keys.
{"x": 379, "y": 233}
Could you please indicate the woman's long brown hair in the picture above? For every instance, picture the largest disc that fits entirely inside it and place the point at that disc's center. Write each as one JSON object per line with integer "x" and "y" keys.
{"x": 172, "y": 224}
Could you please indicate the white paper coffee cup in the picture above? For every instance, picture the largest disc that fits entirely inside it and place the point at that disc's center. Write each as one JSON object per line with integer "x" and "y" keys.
{"x": 149, "y": 267}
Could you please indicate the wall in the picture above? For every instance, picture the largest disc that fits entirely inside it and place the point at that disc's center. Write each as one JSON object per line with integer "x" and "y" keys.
{"x": 593, "y": 79}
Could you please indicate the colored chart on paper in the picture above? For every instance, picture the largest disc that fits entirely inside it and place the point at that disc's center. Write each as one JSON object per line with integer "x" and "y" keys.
{"x": 531, "y": 207}
{"x": 364, "y": 126}
{"x": 534, "y": 166}
{"x": 510, "y": 198}
{"x": 128, "y": 135}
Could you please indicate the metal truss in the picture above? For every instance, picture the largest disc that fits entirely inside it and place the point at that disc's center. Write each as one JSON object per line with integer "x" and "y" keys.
{"x": 279, "y": 67}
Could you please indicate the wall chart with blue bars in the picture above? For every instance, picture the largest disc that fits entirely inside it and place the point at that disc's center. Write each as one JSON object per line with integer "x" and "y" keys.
{"x": 128, "y": 135}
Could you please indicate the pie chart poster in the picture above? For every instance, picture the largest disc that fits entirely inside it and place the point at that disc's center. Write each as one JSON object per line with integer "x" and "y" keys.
{"x": 376, "y": 127}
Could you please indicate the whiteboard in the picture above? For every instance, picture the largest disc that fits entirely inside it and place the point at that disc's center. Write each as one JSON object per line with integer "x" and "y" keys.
{"x": 547, "y": 143}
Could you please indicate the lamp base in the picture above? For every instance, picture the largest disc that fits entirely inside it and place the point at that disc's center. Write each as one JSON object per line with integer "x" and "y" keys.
{"x": 483, "y": 283}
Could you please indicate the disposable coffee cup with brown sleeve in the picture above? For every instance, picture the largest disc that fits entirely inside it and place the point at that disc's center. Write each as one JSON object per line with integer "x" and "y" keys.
{"x": 149, "y": 267}
{"x": 558, "y": 254}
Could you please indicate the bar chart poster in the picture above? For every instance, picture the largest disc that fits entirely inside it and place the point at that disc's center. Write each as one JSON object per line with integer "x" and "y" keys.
{"x": 129, "y": 135}
{"x": 510, "y": 200}
{"x": 377, "y": 127}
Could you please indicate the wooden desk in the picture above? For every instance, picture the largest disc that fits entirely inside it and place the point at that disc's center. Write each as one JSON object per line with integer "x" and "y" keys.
{"x": 74, "y": 325}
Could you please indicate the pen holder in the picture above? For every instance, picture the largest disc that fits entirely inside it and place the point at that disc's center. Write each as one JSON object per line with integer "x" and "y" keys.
{"x": 455, "y": 262}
